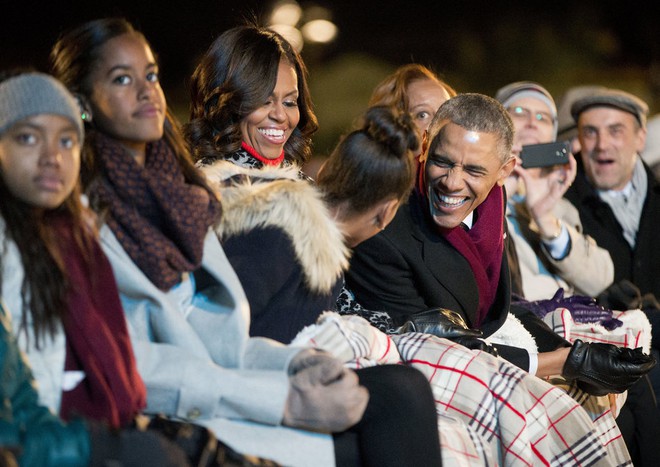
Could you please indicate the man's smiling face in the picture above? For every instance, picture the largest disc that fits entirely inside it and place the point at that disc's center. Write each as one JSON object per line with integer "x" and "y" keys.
{"x": 460, "y": 173}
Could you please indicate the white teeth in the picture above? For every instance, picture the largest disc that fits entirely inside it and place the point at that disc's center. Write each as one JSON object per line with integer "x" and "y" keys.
{"x": 273, "y": 133}
{"x": 451, "y": 200}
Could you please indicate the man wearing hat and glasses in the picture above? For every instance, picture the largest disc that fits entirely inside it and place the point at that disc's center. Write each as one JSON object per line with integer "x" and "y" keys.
{"x": 551, "y": 250}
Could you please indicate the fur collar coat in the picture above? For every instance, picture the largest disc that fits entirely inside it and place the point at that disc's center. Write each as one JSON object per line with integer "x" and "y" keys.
{"x": 286, "y": 249}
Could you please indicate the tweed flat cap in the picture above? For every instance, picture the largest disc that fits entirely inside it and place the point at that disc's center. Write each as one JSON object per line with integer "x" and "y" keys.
{"x": 613, "y": 98}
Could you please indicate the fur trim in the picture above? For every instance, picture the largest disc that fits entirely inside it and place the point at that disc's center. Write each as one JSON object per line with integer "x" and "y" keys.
{"x": 514, "y": 334}
{"x": 276, "y": 197}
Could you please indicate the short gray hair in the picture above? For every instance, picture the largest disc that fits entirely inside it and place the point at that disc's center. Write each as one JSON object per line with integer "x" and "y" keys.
{"x": 474, "y": 112}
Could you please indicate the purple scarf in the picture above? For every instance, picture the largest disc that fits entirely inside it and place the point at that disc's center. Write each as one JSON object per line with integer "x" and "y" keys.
{"x": 159, "y": 219}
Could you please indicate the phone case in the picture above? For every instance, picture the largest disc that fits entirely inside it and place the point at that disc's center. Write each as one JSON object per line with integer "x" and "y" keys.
{"x": 545, "y": 154}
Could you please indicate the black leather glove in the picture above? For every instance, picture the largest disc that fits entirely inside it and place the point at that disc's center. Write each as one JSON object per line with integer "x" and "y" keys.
{"x": 602, "y": 369}
{"x": 474, "y": 343}
{"x": 624, "y": 295}
{"x": 440, "y": 322}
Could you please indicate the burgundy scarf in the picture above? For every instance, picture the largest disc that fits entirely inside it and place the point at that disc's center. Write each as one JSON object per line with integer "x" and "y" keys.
{"x": 482, "y": 245}
{"x": 97, "y": 340}
{"x": 158, "y": 218}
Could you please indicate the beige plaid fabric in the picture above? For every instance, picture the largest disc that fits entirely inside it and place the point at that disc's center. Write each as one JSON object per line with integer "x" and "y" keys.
{"x": 490, "y": 412}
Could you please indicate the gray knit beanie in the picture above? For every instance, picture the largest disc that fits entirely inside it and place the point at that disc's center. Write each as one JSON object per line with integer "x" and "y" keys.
{"x": 32, "y": 94}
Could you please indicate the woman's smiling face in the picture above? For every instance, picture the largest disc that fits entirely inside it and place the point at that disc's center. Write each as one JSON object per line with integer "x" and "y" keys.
{"x": 268, "y": 127}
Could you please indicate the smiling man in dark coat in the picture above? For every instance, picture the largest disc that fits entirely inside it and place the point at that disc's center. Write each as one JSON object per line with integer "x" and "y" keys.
{"x": 446, "y": 248}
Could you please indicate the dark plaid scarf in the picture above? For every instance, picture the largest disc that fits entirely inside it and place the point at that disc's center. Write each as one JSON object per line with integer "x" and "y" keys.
{"x": 482, "y": 245}
{"x": 97, "y": 340}
{"x": 158, "y": 218}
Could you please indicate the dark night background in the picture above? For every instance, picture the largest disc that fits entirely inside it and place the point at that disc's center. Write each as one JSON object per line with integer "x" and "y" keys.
{"x": 477, "y": 45}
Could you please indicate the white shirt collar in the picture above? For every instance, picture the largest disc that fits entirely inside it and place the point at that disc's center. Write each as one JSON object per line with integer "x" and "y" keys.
{"x": 468, "y": 220}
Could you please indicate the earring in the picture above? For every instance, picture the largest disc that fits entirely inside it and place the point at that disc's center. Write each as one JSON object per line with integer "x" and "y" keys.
{"x": 86, "y": 116}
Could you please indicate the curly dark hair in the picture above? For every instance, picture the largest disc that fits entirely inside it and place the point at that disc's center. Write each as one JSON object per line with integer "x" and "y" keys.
{"x": 235, "y": 77}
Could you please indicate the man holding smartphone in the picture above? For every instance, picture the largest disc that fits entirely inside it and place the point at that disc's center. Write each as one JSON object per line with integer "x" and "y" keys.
{"x": 545, "y": 228}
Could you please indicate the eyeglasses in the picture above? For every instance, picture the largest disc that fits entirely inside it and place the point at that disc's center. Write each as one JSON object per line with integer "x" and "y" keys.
{"x": 524, "y": 113}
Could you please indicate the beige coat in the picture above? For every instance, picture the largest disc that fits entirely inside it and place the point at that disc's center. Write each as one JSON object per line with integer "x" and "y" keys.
{"x": 586, "y": 270}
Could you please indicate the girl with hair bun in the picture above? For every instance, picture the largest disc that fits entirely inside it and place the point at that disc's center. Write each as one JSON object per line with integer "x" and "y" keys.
{"x": 370, "y": 173}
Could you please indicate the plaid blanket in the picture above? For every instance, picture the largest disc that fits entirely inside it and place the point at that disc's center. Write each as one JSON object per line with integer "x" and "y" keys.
{"x": 490, "y": 412}
{"x": 635, "y": 331}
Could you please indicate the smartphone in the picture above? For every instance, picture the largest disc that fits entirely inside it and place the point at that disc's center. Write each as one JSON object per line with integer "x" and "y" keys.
{"x": 545, "y": 154}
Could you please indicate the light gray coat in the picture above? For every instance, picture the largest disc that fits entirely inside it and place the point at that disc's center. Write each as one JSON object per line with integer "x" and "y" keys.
{"x": 199, "y": 364}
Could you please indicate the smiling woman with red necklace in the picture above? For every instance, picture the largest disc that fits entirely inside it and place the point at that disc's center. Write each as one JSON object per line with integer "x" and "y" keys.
{"x": 251, "y": 119}
{"x": 250, "y": 102}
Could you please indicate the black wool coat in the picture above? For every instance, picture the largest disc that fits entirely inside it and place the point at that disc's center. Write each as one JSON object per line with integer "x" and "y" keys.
{"x": 640, "y": 265}
{"x": 410, "y": 267}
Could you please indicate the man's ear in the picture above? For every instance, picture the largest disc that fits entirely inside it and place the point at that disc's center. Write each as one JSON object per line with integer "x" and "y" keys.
{"x": 641, "y": 139}
{"x": 85, "y": 109}
{"x": 506, "y": 170}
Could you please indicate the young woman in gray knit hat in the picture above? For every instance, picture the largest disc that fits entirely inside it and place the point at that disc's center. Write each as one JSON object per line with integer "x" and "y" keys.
{"x": 60, "y": 294}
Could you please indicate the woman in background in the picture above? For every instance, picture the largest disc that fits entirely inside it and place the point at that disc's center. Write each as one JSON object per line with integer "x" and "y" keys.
{"x": 415, "y": 89}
